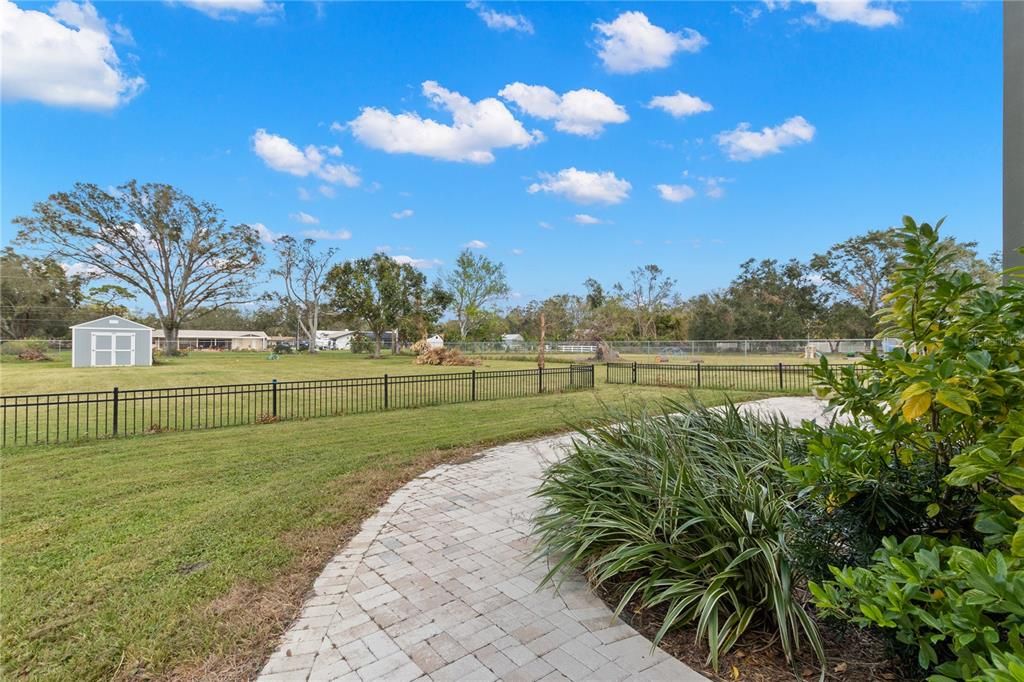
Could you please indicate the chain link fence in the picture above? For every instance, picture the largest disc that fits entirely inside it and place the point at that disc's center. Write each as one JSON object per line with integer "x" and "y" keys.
{"x": 696, "y": 348}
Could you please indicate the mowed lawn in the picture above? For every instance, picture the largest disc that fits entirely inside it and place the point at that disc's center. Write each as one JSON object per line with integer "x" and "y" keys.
{"x": 215, "y": 368}
{"x": 57, "y": 375}
{"x": 184, "y": 555}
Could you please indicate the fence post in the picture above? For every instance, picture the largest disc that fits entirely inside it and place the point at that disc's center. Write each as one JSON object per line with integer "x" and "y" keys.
{"x": 634, "y": 371}
{"x": 698, "y": 375}
{"x": 782, "y": 385}
{"x": 385, "y": 391}
{"x": 473, "y": 385}
{"x": 540, "y": 380}
{"x": 115, "y": 410}
{"x": 273, "y": 397}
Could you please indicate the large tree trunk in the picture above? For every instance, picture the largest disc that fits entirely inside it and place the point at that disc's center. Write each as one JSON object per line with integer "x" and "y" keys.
{"x": 313, "y": 324}
{"x": 378, "y": 337}
{"x": 171, "y": 340}
{"x": 394, "y": 342}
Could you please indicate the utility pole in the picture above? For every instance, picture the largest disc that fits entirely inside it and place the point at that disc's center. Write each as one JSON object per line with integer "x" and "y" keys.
{"x": 540, "y": 351}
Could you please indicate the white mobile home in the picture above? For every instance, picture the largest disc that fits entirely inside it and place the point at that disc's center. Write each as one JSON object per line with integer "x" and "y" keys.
{"x": 334, "y": 340}
{"x": 213, "y": 339}
{"x": 111, "y": 341}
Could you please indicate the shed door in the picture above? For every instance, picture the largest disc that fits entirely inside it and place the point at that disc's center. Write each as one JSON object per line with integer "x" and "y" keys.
{"x": 113, "y": 349}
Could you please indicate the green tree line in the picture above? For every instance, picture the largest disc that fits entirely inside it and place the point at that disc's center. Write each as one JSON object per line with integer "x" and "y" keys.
{"x": 151, "y": 247}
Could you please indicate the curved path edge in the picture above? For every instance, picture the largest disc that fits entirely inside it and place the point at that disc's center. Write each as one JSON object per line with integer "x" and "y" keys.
{"x": 440, "y": 584}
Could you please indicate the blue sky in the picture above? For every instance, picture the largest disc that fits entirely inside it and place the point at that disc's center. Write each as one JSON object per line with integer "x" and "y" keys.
{"x": 804, "y": 123}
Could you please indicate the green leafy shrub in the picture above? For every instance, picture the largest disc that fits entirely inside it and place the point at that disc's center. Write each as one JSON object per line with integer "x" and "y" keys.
{"x": 18, "y": 346}
{"x": 684, "y": 511}
{"x": 361, "y": 343}
{"x": 933, "y": 468}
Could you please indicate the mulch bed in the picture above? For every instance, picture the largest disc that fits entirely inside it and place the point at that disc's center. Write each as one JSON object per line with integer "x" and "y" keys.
{"x": 853, "y": 654}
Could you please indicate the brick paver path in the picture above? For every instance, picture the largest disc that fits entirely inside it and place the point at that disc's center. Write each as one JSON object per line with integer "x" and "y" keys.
{"x": 440, "y": 585}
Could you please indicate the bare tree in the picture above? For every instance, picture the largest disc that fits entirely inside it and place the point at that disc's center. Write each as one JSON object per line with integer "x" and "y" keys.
{"x": 646, "y": 296}
{"x": 304, "y": 273}
{"x": 154, "y": 239}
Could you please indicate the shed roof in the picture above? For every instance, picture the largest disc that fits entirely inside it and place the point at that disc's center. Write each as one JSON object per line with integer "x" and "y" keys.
{"x": 105, "y": 322}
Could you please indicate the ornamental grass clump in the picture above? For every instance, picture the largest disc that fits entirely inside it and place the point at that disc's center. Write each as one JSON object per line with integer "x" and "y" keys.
{"x": 685, "y": 512}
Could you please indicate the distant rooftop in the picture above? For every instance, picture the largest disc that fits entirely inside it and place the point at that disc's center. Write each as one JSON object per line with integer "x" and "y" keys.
{"x": 211, "y": 334}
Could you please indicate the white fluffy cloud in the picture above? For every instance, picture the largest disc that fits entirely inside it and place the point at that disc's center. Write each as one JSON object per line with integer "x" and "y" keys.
{"x": 267, "y": 236}
{"x": 232, "y": 9}
{"x": 500, "y": 21}
{"x": 744, "y": 144}
{"x": 337, "y": 235}
{"x": 477, "y": 129}
{"x": 421, "y": 263}
{"x": 679, "y": 104}
{"x": 83, "y": 270}
{"x": 403, "y": 214}
{"x": 280, "y": 154}
{"x": 632, "y": 43}
{"x": 64, "y": 58}
{"x": 579, "y": 112}
{"x": 475, "y": 244}
{"x": 861, "y": 12}
{"x": 676, "y": 193}
{"x": 583, "y": 187}
{"x": 305, "y": 218}
{"x": 586, "y": 219}
{"x": 517, "y": 252}
{"x": 713, "y": 188}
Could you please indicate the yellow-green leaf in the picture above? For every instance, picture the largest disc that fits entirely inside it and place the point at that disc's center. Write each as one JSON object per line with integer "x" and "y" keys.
{"x": 953, "y": 400}
{"x": 914, "y": 389}
{"x": 1017, "y": 501}
{"x": 916, "y": 406}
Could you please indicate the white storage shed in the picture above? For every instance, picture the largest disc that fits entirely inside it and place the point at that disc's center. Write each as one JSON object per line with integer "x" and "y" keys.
{"x": 111, "y": 341}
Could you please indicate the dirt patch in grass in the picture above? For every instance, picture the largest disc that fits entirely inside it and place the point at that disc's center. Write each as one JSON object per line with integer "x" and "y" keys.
{"x": 253, "y": 617}
{"x": 853, "y": 655}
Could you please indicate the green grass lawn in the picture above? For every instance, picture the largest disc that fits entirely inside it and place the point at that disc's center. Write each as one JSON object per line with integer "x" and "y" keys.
{"x": 186, "y": 554}
{"x": 702, "y": 358}
{"x": 209, "y": 368}
{"x": 58, "y": 376}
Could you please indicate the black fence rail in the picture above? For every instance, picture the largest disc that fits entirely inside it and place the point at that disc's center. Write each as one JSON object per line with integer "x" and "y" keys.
{"x": 782, "y": 378}
{"x": 60, "y": 417}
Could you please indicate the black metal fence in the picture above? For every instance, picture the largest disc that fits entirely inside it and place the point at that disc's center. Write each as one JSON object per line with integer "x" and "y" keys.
{"x": 780, "y": 377}
{"x": 59, "y": 417}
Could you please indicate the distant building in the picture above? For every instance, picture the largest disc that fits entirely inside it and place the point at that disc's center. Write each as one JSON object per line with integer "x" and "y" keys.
{"x": 212, "y": 339}
{"x": 386, "y": 339}
{"x": 513, "y": 341}
{"x": 111, "y": 341}
{"x": 334, "y": 340}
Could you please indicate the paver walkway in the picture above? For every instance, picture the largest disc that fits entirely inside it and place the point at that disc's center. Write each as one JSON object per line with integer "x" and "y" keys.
{"x": 439, "y": 585}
